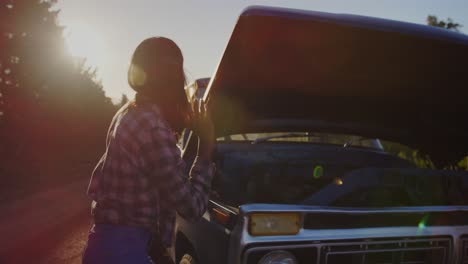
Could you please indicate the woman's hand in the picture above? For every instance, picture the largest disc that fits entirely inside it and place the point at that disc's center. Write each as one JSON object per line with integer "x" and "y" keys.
{"x": 202, "y": 126}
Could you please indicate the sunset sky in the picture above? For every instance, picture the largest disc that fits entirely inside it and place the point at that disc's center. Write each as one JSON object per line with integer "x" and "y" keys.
{"x": 107, "y": 31}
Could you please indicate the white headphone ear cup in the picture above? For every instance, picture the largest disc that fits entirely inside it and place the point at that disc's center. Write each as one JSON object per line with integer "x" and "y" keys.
{"x": 137, "y": 76}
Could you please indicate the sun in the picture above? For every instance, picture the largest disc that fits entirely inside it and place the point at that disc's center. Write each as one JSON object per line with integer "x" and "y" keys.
{"x": 85, "y": 42}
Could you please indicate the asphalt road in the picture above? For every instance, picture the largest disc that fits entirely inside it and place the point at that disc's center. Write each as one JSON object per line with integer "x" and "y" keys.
{"x": 47, "y": 227}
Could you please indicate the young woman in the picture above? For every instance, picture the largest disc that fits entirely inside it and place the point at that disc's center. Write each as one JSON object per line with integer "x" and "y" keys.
{"x": 141, "y": 182}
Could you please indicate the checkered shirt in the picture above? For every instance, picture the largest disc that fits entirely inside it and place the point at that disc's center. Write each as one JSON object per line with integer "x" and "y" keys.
{"x": 141, "y": 179}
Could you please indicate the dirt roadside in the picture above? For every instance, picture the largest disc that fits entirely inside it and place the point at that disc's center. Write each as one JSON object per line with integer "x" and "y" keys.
{"x": 34, "y": 228}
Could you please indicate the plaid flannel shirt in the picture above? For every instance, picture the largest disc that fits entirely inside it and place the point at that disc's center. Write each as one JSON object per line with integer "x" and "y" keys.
{"x": 141, "y": 179}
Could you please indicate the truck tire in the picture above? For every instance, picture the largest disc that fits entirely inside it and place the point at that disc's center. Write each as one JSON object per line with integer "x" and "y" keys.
{"x": 187, "y": 259}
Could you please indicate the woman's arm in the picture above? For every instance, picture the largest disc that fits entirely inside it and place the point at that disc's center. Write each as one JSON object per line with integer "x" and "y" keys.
{"x": 187, "y": 194}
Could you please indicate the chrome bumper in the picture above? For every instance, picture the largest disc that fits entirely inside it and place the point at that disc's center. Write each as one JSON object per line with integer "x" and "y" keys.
{"x": 400, "y": 244}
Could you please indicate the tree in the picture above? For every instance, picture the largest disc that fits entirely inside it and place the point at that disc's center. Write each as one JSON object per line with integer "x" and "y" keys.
{"x": 449, "y": 24}
{"x": 51, "y": 105}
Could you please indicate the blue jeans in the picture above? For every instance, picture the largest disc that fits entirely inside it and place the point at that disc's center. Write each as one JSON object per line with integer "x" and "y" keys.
{"x": 117, "y": 244}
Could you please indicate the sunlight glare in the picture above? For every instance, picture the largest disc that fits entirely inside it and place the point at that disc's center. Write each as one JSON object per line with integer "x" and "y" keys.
{"x": 85, "y": 42}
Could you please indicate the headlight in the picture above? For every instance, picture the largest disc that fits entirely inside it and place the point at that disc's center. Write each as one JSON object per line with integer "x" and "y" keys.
{"x": 274, "y": 224}
{"x": 278, "y": 257}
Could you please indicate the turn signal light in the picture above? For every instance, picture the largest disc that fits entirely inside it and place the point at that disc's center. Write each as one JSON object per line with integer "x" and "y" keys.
{"x": 274, "y": 224}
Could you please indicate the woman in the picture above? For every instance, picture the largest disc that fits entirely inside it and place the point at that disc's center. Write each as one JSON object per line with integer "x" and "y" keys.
{"x": 140, "y": 182}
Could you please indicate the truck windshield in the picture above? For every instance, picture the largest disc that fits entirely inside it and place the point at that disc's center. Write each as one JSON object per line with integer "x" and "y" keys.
{"x": 287, "y": 172}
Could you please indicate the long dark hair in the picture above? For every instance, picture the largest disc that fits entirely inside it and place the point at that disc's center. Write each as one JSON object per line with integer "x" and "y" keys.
{"x": 156, "y": 71}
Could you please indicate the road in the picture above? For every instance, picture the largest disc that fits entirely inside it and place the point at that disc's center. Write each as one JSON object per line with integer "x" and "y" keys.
{"x": 47, "y": 227}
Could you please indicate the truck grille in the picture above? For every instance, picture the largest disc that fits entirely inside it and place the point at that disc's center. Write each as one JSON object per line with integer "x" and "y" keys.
{"x": 427, "y": 250}
{"x": 404, "y": 251}
{"x": 464, "y": 254}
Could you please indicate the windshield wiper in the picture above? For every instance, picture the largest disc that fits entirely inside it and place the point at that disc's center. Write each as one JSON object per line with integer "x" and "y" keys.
{"x": 288, "y": 135}
{"x": 350, "y": 142}
{"x": 375, "y": 143}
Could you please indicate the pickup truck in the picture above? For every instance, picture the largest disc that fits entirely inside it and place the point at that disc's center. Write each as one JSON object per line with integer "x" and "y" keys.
{"x": 307, "y": 107}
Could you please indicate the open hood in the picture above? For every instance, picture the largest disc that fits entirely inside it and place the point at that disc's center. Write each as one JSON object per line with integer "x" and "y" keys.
{"x": 289, "y": 69}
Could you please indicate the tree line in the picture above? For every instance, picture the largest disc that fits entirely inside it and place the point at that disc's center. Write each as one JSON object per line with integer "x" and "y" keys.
{"x": 53, "y": 110}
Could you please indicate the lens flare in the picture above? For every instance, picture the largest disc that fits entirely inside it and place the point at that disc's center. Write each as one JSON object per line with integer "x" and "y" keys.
{"x": 338, "y": 181}
{"x": 318, "y": 172}
{"x": 423, "y": 223}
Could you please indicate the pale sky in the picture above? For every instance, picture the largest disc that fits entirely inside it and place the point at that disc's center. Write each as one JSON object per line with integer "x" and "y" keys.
{"x": 201, "y": 28}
